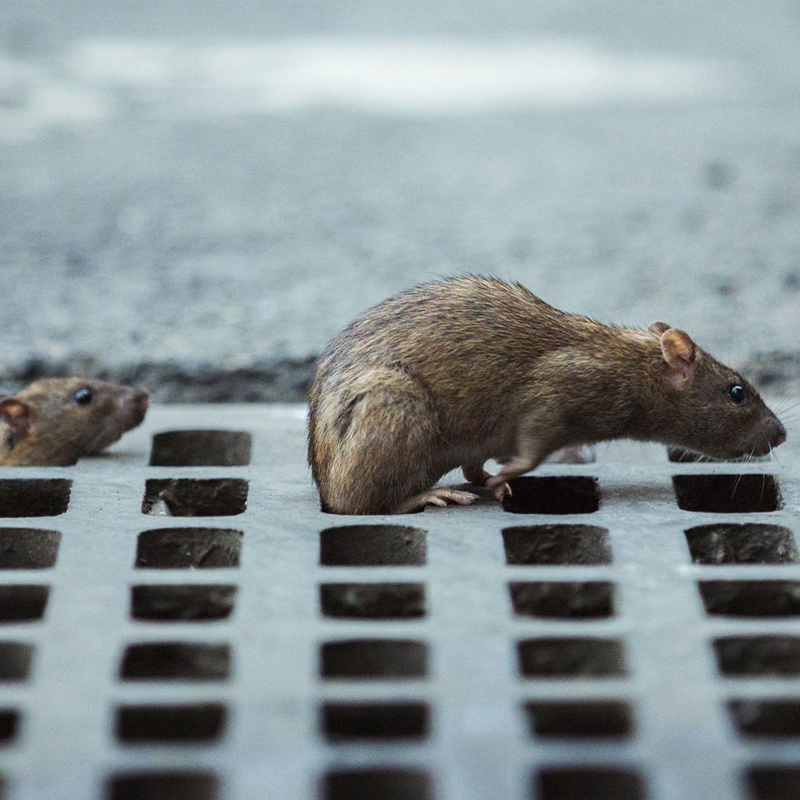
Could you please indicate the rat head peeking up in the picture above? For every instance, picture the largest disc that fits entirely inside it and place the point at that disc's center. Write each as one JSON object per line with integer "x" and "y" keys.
{"x": 56, "y": 421}
{"x": 710, "y": 408}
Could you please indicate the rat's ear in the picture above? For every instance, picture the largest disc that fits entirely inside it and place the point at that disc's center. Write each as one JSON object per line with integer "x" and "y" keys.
{"x": 658, "y": 327}
{"x": 680, "y": 353}
{"x": 16, "y": 417}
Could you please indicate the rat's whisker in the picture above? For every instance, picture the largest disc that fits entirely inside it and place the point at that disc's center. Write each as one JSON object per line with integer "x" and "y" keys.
{"x": 741, "y": 474}
{"x": 736, "y": 485}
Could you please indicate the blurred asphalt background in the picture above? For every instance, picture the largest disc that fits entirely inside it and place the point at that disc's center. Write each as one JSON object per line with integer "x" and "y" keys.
{"x": 198, "y": 195}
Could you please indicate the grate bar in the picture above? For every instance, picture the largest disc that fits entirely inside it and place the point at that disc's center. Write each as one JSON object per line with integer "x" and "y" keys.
{"x": 611, "y": 612}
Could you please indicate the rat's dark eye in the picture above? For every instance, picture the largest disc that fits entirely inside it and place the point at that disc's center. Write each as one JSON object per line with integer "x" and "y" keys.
{"x": 737, "y": 394}
{"x": 83, "y": 397}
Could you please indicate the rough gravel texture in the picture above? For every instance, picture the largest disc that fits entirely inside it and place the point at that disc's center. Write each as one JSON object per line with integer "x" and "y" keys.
{"x": 212, "y": 258}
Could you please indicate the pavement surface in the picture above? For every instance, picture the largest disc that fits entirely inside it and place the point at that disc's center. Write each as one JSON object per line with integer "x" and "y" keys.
{"x": 198, "y": 195}
{"x": 672, "y": 599}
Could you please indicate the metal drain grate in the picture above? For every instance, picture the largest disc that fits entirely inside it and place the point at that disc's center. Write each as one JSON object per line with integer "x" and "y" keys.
{"x": 625, "y": 629}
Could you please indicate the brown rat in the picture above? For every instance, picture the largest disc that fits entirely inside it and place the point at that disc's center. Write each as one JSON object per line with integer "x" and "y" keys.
{"x": 56, "y": 421}
{"x": 462, "y": 370}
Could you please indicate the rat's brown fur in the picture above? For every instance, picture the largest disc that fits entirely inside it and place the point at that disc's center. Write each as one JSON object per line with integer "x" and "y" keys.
{"x": 44, "y": 426}
{"x": 455, "y": 372}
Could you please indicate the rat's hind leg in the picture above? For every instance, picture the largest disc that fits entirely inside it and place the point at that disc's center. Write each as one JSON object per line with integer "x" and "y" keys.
{"x": 438, "y": 496}
{"x": 385, "y": 447}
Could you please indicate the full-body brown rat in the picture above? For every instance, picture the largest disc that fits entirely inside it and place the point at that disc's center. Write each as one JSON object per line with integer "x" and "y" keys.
{"x": 56, "y": 421}
{"x": 456, "y": 372}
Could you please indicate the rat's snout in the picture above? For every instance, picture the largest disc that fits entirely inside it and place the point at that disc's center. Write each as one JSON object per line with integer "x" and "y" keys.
{"x": 780, "y": 436}
{"x": 134, "y": 405}
{"x": 141, "y": 397}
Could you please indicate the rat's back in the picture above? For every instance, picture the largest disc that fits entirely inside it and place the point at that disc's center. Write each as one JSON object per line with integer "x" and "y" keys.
{"x": 439, "y": 330}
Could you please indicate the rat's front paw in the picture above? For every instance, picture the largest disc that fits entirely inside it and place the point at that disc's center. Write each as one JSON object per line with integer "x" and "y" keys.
{"x": 512, "y": 468}
{"x": 478, "y": 476}
{"x": 501, "y": 490}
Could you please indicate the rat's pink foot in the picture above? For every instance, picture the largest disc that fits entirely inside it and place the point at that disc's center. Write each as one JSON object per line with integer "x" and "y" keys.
{"x": 510, "y": 469}
{"x": 501, "y": 490}
{"x": 477, "y": 475}
{"x": 438, "y": 496}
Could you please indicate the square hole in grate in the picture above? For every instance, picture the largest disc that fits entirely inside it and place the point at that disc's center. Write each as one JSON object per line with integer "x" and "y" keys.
{"x": 372, "y": 600}
{"x": 15, "y": 661}
{"x": 751, "y": 598}
{"x": 22, "y": 603}
{"x": 372, "y": 546}
{"x": 176, "y": 661}
{"x": 579, "y": 719}
{"x": 727, "y": 494}
{"x": 184, "y": 548}
{"x": 342, "y": 721}
{"x": 34, "y": 498}
{"x": 563, "y": 599}
{"x": 28, "y": 548}
{"x": 203, "y": 722}
{"x": 377, "y": 784}
{"x": 9, "y": 724}
{"x": 584, "y": 657}
{"x": 201, "y": 449}
{"x": 185, "y": 497}
{"x": 589, "y": 783}
{"x": 164, "y": 786}
{"x": 184, "y": 602}
{"x": 778, "y": 718}
{"x": 773, "y": 782}
{"x": 557, "y": 544}
{"x": 374, "y": 658}
{"x": 576, "y": 494}
{"x": 766, "y": 656}
{"x": 745, "y": 543}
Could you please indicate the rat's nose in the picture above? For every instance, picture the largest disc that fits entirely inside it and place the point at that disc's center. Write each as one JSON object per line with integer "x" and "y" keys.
{"x": 140, "y": 396}
{"x": 780, "y": 436}
{"x": 133, "y": 405}
{"x": 143, "y": 396}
